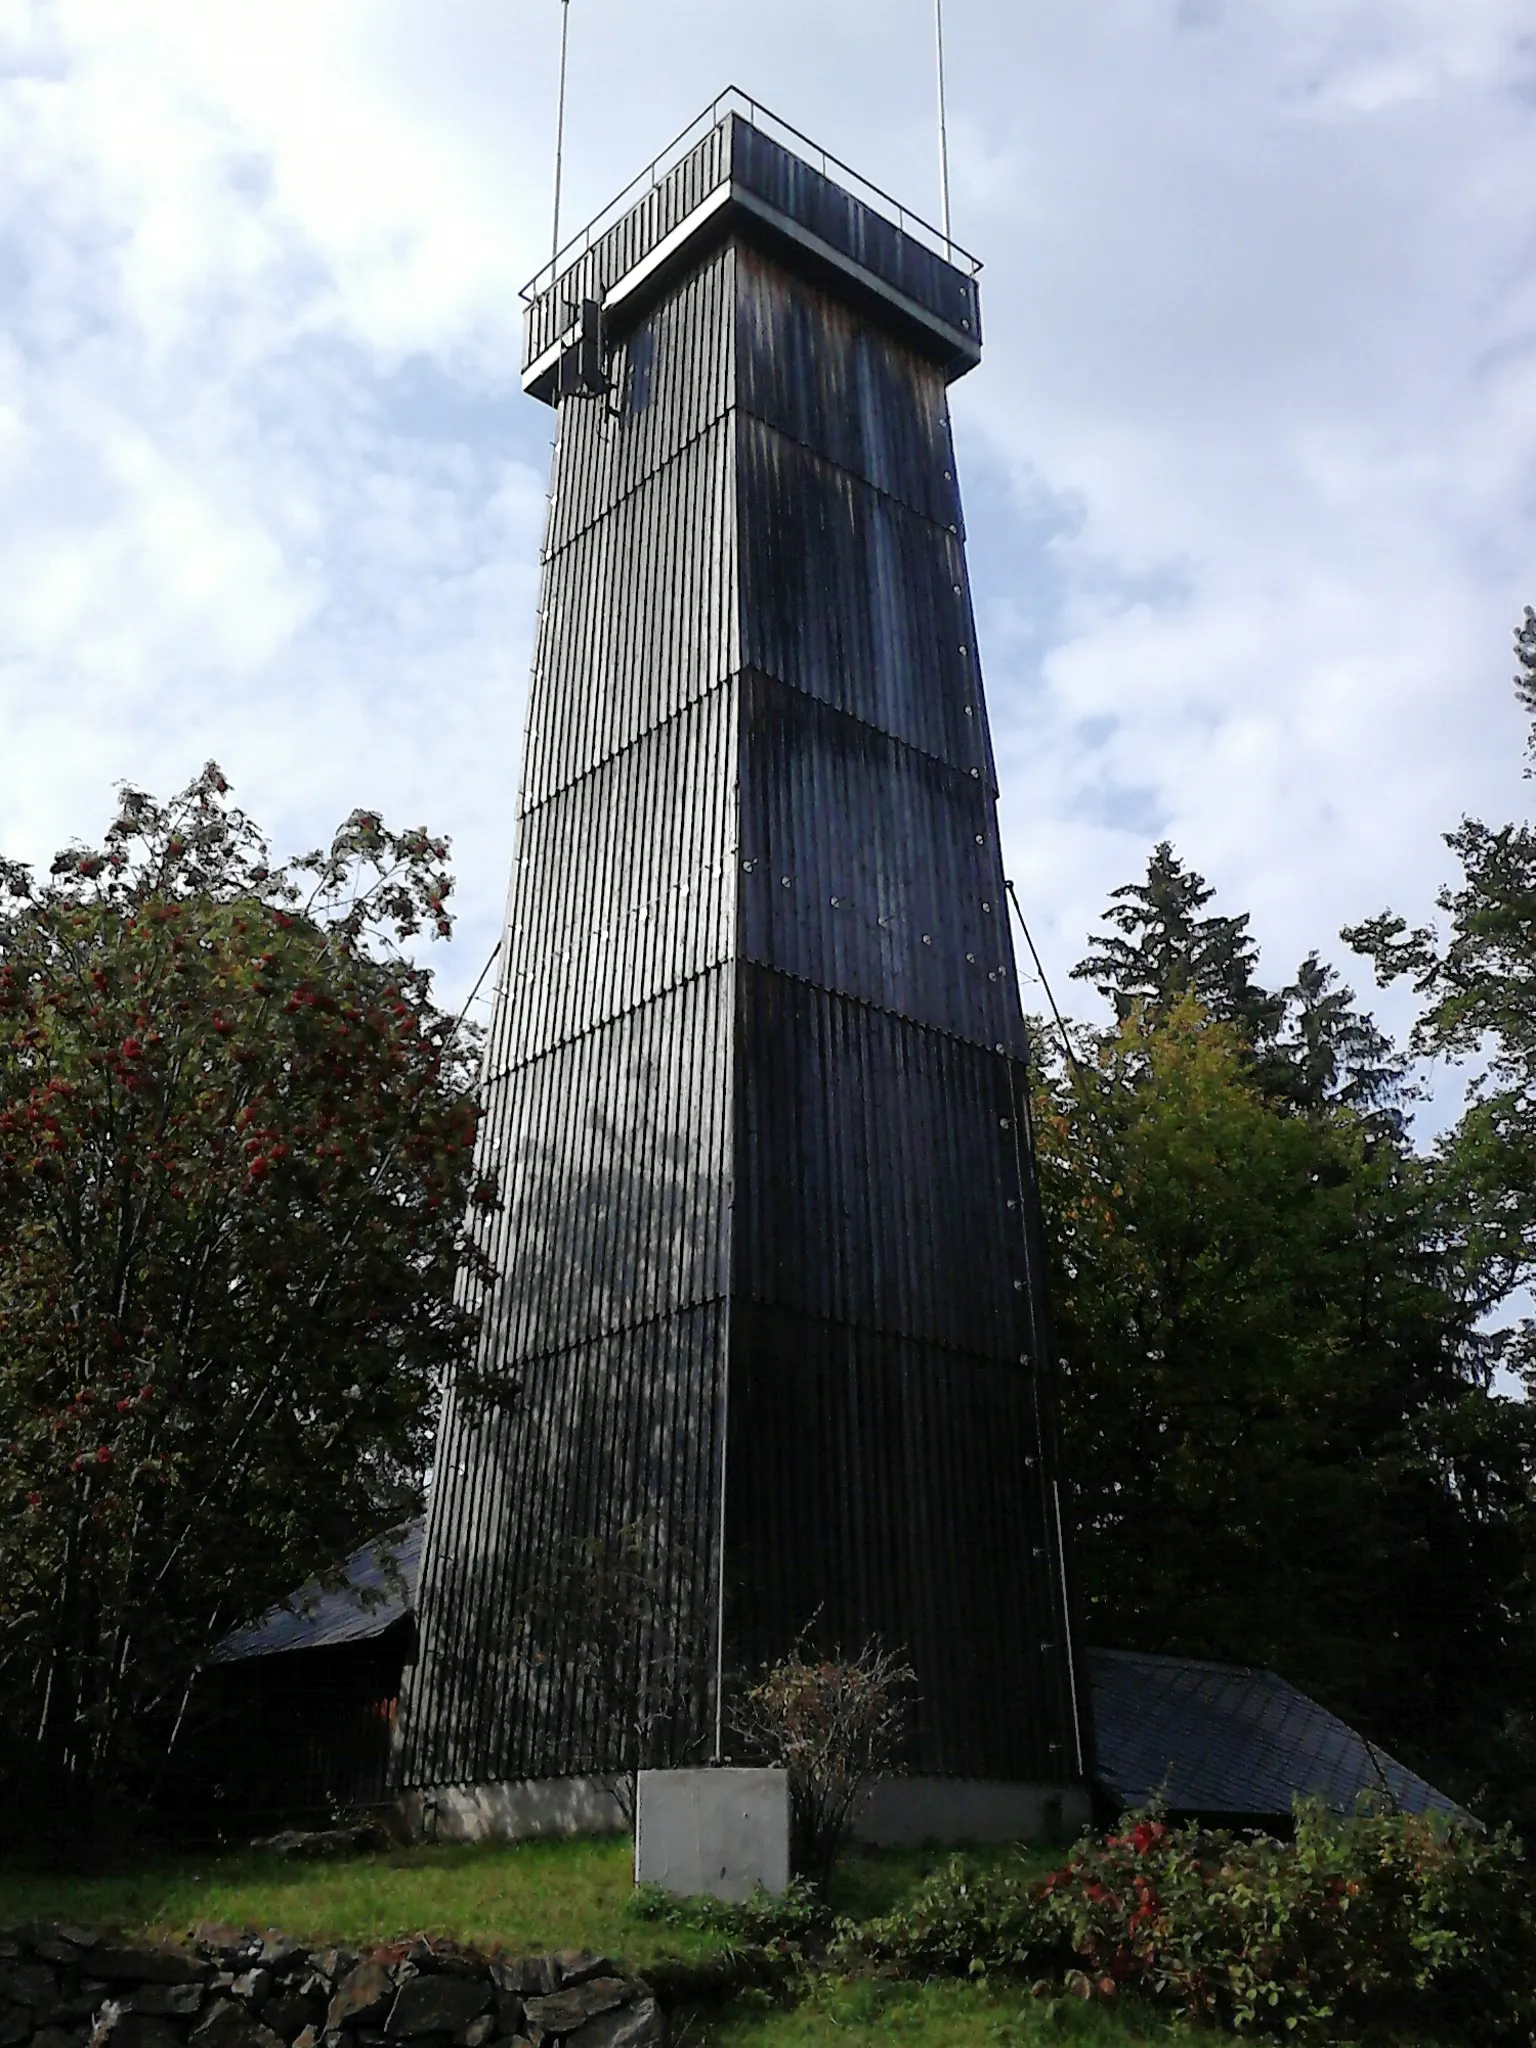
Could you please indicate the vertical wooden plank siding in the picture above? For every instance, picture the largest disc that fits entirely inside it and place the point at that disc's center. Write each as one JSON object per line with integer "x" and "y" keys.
{"x": 768, "y": 1258}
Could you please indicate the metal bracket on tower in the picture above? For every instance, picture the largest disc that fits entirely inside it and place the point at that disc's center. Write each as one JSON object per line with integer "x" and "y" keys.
{"x": 582, "y": 374}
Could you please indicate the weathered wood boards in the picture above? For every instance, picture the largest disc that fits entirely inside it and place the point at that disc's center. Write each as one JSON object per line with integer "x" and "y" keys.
{"x": 768, "y": 1256}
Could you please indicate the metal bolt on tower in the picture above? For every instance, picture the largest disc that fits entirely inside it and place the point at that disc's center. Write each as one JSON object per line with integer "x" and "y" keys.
{"x": 769, "y": 1271}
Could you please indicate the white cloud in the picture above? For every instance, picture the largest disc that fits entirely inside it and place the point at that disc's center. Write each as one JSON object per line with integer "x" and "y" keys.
{"x": 1250, "y": 460}
{"x": 1271, "y": 349}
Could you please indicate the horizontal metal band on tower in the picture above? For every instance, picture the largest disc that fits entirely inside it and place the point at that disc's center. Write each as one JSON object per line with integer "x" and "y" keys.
{"x": 768, "y": 1262}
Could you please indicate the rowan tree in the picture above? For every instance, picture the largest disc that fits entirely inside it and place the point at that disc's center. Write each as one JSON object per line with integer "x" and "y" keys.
{"x": 235, "y": 1148}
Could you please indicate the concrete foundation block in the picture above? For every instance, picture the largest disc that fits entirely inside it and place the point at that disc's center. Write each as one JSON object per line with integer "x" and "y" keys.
{"x": 721, "y": 1831}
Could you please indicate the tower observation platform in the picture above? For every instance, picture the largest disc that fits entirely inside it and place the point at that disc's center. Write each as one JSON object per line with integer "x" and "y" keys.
{"x": 768, "y": 1307}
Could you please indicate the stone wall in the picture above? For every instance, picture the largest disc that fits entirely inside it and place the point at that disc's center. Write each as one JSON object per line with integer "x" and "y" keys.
{"x": 61, "y": 1987}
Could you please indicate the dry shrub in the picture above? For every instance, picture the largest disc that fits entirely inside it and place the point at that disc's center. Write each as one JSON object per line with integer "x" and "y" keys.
{"x": 830, "y": 1722}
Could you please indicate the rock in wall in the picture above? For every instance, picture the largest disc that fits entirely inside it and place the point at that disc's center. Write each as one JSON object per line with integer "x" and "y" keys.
{"x": 62, "y": 1987}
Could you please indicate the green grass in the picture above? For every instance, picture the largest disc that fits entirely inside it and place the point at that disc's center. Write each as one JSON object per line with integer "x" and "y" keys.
{"x": 526, "y": 1896}
{"x": 530, "y": 1897}
{"x": 869, "y": 1882}
{"x": 930, "y": 2015}
{"x": 534, "y": 1896}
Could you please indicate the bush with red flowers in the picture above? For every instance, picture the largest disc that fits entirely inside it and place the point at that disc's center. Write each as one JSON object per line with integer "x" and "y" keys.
{"x": 236, "y": 1146}
{"x": 1377, "y": 1917}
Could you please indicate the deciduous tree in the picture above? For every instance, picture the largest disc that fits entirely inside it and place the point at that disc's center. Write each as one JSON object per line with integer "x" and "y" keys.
{"x": 1277, "y": 1397}
{"x": 1476, "y": 975}
{"x": 235, "y": 1149}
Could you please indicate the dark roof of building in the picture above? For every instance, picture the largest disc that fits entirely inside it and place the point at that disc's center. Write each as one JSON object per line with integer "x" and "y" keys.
{"x": 378, "y": 1589}
{"x": 1207, "y": 1738}
{"x": 1228, "y": 1739}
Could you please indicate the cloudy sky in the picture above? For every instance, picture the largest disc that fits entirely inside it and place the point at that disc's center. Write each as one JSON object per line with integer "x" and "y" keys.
{"x": 1250, "y": 465}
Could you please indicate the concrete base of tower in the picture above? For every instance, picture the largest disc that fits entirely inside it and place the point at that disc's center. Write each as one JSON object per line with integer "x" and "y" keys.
{"x": 892, "y": 1812}
{"x": 897, "y": 1812}
{"x": 515, "y": 1810}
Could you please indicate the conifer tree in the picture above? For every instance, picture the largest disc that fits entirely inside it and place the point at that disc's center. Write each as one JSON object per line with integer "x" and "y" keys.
{"x": 1278, "y": 1397}
{"x": 1476, "y": 975}
{"x": 1307, "y": 1044}
{"x": 1164, "y": 949}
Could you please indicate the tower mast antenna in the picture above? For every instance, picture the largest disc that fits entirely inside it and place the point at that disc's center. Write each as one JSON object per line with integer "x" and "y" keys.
{"x": 565, "y": 33}
{"x": 938, "y": 40}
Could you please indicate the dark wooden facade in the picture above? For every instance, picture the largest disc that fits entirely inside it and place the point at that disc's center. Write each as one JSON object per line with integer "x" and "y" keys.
{"x": 300, "y": 1736}
{"x": 769, "y": 1268}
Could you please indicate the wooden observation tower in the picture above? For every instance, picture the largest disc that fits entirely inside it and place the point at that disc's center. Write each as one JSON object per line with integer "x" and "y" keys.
{"x": 769, "y": 1293}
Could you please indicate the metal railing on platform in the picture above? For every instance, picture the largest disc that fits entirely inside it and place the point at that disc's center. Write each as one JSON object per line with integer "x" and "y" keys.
{"x": 734, "y": 100}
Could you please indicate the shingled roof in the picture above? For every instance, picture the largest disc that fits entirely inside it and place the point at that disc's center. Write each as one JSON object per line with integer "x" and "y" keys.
{"x": 378, "y": 1589}
{"x": 1231, "y": 1740}
{"x": 1211, "y": 1739}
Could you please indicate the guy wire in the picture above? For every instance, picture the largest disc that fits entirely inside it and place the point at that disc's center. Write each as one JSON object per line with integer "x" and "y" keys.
{"x": 1066, "y": 1042}
{"x": 565, "y": 32}
{"x": 938, "y": 37}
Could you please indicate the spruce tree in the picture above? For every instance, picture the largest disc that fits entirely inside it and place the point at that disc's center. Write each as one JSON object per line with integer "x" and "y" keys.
{"x": 1165, "y": 949}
